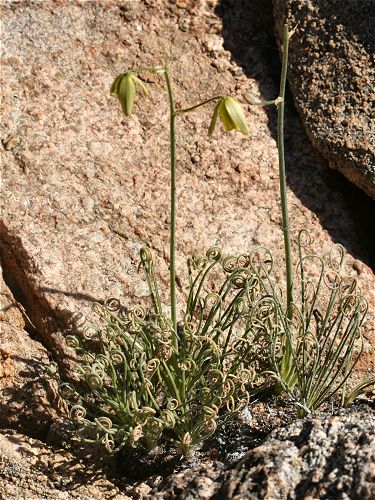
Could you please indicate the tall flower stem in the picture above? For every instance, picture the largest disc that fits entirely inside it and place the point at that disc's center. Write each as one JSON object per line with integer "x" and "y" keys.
{"x": 127, "y": 100}
{"x": 282, "y": 175}
{"x": 287, "y": 368}
{"x": 172, "y": 251}
{"x": 287, "y": 365}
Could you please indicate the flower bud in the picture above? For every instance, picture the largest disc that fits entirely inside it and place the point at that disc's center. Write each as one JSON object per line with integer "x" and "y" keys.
{"x": 231, "y": 114}
{"x": 124, "y": 87}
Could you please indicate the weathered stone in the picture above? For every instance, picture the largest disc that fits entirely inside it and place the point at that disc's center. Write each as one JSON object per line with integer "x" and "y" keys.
{"x": 31, "y": 470}
{"x": 28, "y": 400}
{"x": 322, "y": 457}
{"x": 331, "y": 74}
{"x": 329, "y": 457}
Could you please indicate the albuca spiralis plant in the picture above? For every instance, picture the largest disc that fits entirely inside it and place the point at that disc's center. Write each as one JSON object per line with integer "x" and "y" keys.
{"x": 322, "y": 339}
{"x": 145, "y": 378}
{"x": 315, "y": 338}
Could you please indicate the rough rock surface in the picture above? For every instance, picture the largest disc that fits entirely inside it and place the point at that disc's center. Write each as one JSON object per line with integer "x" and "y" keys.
{"x": 322, "y": 458}
{"x": 332, "y": 75}
{"x": 30, "y": 470}
{"x": 83, "y": 188}
{"x": 325, "y": 457}
{"x": 27, "y": 399}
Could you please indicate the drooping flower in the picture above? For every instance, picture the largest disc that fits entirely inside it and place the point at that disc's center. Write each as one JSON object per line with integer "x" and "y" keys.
{"x": 124, "y": 87}
{"x": 231, "y": 114}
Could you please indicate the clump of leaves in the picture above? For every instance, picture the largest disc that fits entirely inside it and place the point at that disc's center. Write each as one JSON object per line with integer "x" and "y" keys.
{"x": 316, "y": 347}
{"x": 135, "y": 388}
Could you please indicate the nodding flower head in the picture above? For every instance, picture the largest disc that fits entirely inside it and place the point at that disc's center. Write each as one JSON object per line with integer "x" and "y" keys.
{"x": 124, "y": 87}
{"x": 231, "y": 114}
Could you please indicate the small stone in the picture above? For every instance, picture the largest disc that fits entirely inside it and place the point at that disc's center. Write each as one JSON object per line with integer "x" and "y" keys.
{"x": 358, "y": 266}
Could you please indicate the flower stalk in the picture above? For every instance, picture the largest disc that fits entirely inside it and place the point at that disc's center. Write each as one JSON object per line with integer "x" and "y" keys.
{"x": 231, "y": 114}
{"x": 172, "y": 239}
{"x": 282, "y": 176}
{"x": 279, "y": 102}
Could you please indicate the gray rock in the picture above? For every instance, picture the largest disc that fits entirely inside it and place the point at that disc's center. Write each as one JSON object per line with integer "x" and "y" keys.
{"x": 319, "y": 458}
{"x": 331, "y": 75}
{"x": 329, "y": 457}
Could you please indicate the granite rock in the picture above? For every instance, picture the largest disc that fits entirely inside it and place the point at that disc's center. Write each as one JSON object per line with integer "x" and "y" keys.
{"x": 28, "y": 399}
{"x": 329, "y": 457}
{"x": 83, "y": 188}
{"x": 31, "y": 470}
{"x": 331, "y": 75}
{"x": 323, "y": 457}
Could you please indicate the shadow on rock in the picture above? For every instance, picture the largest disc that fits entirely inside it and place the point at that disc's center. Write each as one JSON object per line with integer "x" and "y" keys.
{"x": 28, "y": 400}
{"x": 77, "y": 295}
